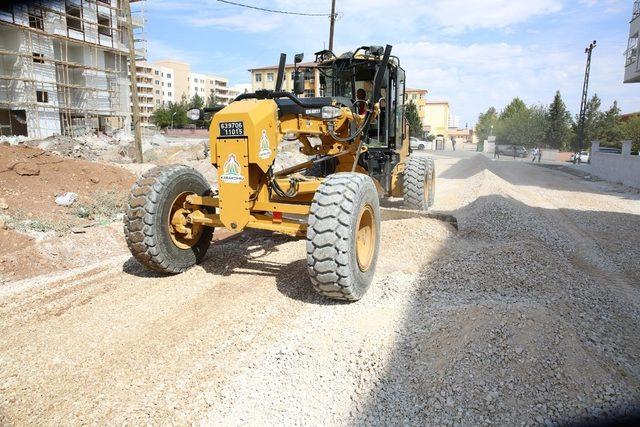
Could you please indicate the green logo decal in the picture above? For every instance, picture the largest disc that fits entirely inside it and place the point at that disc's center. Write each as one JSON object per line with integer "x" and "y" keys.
{"x": 232, "y": 173}
{"x": 265, "y": 149}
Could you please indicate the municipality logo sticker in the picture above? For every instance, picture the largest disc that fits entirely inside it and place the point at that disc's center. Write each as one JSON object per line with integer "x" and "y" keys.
{"x": 265, "y": 148}
{"x": 232, "y": 173}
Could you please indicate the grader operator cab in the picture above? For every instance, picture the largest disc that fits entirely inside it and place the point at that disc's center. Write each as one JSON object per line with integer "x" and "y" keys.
{"x": 356, "y": 140}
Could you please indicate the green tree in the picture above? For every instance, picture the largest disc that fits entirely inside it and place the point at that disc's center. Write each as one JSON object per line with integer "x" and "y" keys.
{"x": 413, "y": 118}
{"x": 516, "y": 106}
{"x": 485, "y": 123}
{"x": 212, "y": 100}
{"x": 610, "y": 130}
{"x": 196, "y": 102}
{"x": 161, "y": 117}
{"x": 526, "y": 127}
{"x": 631, "y": 130}
{"x": 558, "y": 119}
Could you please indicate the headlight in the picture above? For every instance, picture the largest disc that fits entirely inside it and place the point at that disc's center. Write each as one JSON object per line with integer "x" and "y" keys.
{"x": 194, "y": 114}
{"x": 330, "y": 113}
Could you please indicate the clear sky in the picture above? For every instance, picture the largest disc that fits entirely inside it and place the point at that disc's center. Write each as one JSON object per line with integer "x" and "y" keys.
{"x": 473, "y": 53}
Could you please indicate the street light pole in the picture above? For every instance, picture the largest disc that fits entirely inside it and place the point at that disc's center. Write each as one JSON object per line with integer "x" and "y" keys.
{"x": 583, "y": 103}
{"x": 332, "y": 24}
{"x": 174, "y": 113}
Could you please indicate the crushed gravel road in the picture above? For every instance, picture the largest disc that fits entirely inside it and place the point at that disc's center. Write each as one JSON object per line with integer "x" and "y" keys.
{"x": 528, "y": 314}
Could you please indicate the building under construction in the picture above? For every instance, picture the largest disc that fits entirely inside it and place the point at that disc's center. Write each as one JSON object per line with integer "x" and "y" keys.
{"x": 64, "y": 66}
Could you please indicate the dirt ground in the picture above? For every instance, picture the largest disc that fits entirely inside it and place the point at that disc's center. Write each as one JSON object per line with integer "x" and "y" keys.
{"x": 527, "y": 314}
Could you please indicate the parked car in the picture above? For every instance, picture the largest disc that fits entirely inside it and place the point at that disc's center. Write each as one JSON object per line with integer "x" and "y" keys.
{"x": 417, "y": 144}
{"x": 583, "y": 157}
{"x": 507, "y": 150}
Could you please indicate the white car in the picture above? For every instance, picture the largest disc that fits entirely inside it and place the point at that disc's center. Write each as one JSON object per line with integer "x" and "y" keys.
{"x": 417, "y": 144}
{"x": 583, "y": 157}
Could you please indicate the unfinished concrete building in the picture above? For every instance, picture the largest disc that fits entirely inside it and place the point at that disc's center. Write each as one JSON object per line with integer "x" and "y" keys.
{"x": 63, "y": 67}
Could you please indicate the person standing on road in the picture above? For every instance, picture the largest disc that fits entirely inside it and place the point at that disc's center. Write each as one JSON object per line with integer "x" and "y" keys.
{"x": 496, "y": 153}
{"x": 513, "y": 147}
{"x": 453, "y": 143}
{"x": 539, "y": 154}
{"x": 535, "y": 153}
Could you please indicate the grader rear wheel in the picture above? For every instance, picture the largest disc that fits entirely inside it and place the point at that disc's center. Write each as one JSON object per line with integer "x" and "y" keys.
{"x": 419, "y": 183}
{"x": 155, "y": 224}
{"x": 343, "y": 236}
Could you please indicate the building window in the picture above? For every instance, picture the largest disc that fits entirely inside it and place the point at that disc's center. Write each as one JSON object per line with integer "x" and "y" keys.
{"x": 168, "y": 84}
{"x": 269, "y": 77}
{"x": 157, "y": 92}
{"x": 37, "y": 58}
{"x": 104, "y": 25}
{"x": 157, "y": 102}
{"x": 74, "y": 17}
{"x": 157, "y": 73}
{"x": 157, "y": 82}
{"x": 42, "y": 96}
{"x": 168, "y": 93}
{"x": 632, "y": 50}
{"x": 162, "y": 74}
{"x": 162, "y": 83}
{"x": 195, "y": 89}
{"x": 258, "y": 77}
{"x": 168, "y": 75}
{"x": 309, "y": 93}
{"x": 36, "y": 19}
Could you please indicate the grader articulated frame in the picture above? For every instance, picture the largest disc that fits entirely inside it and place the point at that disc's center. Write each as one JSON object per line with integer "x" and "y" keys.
{"x": 357, "y": 142}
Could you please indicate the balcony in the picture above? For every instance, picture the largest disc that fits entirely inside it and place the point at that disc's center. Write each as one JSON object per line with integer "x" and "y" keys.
{"x": 631, "y": 65}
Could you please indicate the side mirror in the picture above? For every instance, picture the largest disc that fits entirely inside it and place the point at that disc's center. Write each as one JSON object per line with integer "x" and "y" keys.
{"x": 298, "y": 83}
{"x": 194, "y": 114}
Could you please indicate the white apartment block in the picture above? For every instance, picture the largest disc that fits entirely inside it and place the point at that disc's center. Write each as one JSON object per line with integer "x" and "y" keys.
{"x": 632, "y": 64}
{"x": 163, "y": 85}
{"x": 63, "y": 67}
{"x": 174, "y": 81}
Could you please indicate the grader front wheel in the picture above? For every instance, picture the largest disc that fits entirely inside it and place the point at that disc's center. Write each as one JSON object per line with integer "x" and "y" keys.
{"x": 343, "y": 236}
{"x": 155, "y": 224}
{"x": 419, "y": 183}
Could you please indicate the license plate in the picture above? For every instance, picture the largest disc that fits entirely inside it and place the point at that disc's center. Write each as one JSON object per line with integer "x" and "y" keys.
{"x": 231, "y": 129}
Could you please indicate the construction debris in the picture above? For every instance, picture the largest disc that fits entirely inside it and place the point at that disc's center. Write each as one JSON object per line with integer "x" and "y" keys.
{"x": 66, "y": 199}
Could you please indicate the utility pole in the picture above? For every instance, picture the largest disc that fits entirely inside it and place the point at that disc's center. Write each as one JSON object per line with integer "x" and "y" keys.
{"x": 332, "y": 24}
{"x": 583, "y": 104}
{"x": 135, "y": 110}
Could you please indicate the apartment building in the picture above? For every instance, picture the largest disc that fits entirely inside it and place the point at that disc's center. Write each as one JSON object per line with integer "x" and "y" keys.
{"x": 419, "y": 98}
{"x": 436, "y": 120}
{"x": 632, "y": 64}
{"x": 265, "y": 78}
{"x": 163, "y": 85}
{"x": 144, "y": 80}
{"x": 174, "y": 81}
{"x": 63, "y": 66}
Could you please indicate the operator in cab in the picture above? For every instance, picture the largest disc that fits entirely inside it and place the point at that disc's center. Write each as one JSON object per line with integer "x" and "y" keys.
{"x": 361, "y": 98}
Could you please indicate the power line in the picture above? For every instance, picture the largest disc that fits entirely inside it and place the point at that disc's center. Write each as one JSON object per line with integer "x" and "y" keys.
{"x": 284, "y": 12}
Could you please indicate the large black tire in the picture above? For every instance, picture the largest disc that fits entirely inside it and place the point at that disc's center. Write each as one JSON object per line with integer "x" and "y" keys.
{"x": 146, "y": 222}
{"x": 339, "y": 207}
{"x": 419, "y": 183}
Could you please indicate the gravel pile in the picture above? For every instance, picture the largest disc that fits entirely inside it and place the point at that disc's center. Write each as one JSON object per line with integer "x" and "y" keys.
{"x": 511, "y": 321}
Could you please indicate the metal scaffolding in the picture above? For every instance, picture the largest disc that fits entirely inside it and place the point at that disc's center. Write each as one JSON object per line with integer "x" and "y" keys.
{"x": 63, "y": 66}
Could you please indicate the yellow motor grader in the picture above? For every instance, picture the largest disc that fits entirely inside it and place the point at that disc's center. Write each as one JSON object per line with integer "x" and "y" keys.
{"x": 356, "y": 140}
